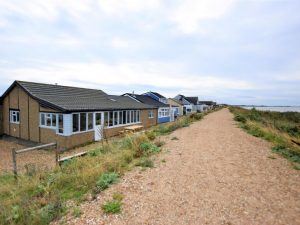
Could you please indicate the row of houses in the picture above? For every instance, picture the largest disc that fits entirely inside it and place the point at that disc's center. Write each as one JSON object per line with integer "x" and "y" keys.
{"x": 71, "y": 116}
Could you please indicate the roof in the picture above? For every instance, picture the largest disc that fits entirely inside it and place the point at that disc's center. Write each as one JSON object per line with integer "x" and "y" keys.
{"x": 177, "y": 101}
{"x": 71, "y": 99}
{"x": 147, "y": 100}
{"x": 193, "y": 100}
{"x": 157, "y": 94}
{"x": 207, "y": 102}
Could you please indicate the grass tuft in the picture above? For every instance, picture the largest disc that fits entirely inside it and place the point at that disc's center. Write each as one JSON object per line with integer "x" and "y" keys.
{"x": 112, "y": 207}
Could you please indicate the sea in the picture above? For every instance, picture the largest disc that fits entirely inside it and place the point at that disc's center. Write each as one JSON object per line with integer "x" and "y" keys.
{"x": 275, "y": 108}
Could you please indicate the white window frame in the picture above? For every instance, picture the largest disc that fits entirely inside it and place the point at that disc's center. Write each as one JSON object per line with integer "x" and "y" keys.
{"x": 13, "y": 116}
{"x": 150, "y": 114}
{"x": 86, "y": 124}
{"x": 48, "y": 115}
{"x": 132, "y": 117}
{"x": 163, "y": 112}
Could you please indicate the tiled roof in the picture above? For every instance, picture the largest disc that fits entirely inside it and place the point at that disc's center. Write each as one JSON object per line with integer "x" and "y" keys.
{"x": 193, "y": 100}
{"x": 70, "y": 99}
{"x": 147, "y": 100}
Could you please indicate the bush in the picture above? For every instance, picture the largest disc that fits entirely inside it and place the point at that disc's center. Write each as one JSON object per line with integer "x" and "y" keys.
{"x": 151, "y": 135}
{"x": 287, "y": 153}
{"x": 159, "y": 143}
{"x": 196, "y": 116}
{"x": 106, "y": 180}
{"x": 240, "y": 118}
{"x": 148, "y": 148}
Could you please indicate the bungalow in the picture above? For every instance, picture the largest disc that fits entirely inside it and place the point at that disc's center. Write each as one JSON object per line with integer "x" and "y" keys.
{"x": 188, "y": 105}
{"x": 163, "y": 109}
{"x": 157, "y": 96}
{"x": 206, "y": 105}
{"x": 70, "y": 116}
{"x": 177, "y": 105}
{"x": 1, "y": 118}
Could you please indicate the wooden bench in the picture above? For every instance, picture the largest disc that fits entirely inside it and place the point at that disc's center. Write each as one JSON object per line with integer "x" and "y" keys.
{"x": 134, "y": 128}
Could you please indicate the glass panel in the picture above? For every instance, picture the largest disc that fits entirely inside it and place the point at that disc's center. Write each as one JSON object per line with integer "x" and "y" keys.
{"x": 128, "y": 116}
{"x": 42, "y": 119}
{"x": 75, "y": 122}
{"x": 90, "y": 121}
{"x": 98, "y": 119}
{"x": 124, "y": 117}
{"x": 116, "y": 118}
{"x": 82, "y": 121}
{"x": 60, "y": 123}
{"x": 111, "y": 116}
{"x": 48, "y": 120}
{"x": 53, "y": 120}
{"x": 131, "y": 114}
{"x": 134, "y": 116}
{"x": 138, "y": 116}
{"x": 106, "y": 119}
{"x": 18, "y": 116}
{"x": 121, "y": 117}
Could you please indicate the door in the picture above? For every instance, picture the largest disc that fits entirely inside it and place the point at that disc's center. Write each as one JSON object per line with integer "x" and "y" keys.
{"x": 98, "y": 126}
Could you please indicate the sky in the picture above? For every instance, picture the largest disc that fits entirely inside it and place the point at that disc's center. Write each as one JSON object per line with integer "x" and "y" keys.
{"x": 229, "y": 51}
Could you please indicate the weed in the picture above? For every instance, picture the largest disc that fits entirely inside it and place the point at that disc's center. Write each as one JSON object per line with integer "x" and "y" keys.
{"x": 174, "y": 138}
{"x": 163, "y": 160}
{"x": 117, "y": 196}
{"x": 106, "y": 180}
{"x": 240, "y": 118}
{"x": 76, "y": 212}
{"x": 112, "y": 207}
{"x": 287, "y": 153}
{"x": 159, "y": 143}
{"x": 151, "y": 135}
{"x": 148, "y": 148}
{"x": 145, "y": 163}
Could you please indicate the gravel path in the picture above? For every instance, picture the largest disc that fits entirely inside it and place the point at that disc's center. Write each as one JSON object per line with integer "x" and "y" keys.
{"x": 214, "y": 174}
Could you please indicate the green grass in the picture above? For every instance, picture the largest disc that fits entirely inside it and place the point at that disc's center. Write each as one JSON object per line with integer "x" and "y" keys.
{"x": 278, "y": 128}
{"x": 39, "y": 197}
{"x": 145, "y": 162}
{"x": 112, "y": 207}
{"x": 106, "y": 180}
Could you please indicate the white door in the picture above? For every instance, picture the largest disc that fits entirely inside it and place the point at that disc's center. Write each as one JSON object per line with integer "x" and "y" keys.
{"x": 98, "y": 118}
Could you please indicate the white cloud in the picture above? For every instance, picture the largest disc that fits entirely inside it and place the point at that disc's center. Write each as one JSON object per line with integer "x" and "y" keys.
{"x": 188, "y": 14}
{"x": 97, "y": 74}
{"x": 120, "y": 7}
{"x": 119, "y": 43}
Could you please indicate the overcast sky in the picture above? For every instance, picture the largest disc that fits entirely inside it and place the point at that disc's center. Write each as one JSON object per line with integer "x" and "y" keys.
{"x": 230, "y": 51}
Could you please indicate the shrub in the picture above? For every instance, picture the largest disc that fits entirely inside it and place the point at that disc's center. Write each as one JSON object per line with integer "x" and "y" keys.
{"x": 196, "y": 116}
{"x": 106, "y": 180}
{"x": 151, "y": 135}
{"x": 287, "y": 153}
{"x": 112, "y": 207}
{"x": 240, "y": 118}
{"x": 148, "y": 148}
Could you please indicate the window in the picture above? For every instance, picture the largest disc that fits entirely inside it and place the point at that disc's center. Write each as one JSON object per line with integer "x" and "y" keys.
{"x": 150, "y": 114}
{"x": 138, "y": 116}
{"x": 106, "y": 115}
{"x": 111, "y": 119}
{"x": 82, "y": 121}
{"x": 90, "y": 121}
{"x": 116, "y": 118}
{"x": 14, "y": 116}
{"x": 98, "y": 119}
{"x": 164, "y": 112}
{"x": 131, "y": 116}
{"x": 48, "y": 120}
{"x": 75, "y": 122}
{"x": 60, "y": 123}
{"x": 121, "y": 117}
{"x": 128, "y": 117}
{"x": 124, "y": 117}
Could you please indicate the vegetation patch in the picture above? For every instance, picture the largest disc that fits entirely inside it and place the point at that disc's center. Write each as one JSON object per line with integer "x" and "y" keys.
{"x": 106, "y": 180}
{"x": 39, "y": 197}
{"x": 145, "y": 163}
{"x": 282, "y": 129}
{"x": 174, "y": 138}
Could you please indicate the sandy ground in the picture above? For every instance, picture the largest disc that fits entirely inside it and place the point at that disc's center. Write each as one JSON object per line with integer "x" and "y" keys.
{"x": 214, "y": 174}
{"x": 40, "y": 159}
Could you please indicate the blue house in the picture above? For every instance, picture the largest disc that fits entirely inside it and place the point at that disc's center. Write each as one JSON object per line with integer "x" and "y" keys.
{"x": 164, "y": 112}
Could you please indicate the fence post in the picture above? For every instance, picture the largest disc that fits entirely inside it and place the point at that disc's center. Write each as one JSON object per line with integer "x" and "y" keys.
{"x": 14, "y": 158}
{"x": 56, "y": 155}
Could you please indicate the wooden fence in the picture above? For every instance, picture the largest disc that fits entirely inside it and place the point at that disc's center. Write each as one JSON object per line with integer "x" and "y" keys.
{"x": 16, "y": 152}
